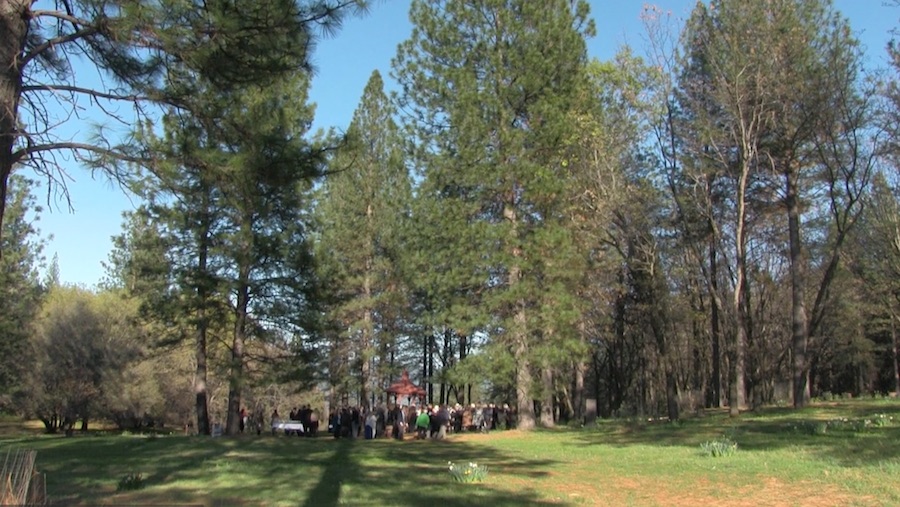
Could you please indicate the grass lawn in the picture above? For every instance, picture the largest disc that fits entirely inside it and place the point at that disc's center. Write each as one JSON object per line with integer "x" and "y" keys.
{"x": 826, "y": 455}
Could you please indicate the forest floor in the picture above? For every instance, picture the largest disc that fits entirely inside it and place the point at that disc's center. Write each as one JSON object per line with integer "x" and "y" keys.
{"x": 844, "y": 453}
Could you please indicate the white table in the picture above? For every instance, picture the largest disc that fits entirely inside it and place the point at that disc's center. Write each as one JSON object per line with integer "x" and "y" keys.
{"x": 288, "y": 426}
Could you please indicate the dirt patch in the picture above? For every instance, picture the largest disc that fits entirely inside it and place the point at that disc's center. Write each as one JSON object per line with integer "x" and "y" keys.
{"x": 493, "y": 435}
{"x": 770, "y": 492}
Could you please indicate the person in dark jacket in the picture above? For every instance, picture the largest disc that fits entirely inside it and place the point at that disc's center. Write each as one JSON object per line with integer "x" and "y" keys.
{"x": 398, "y": 421}
{"x": 336, "y": 423}
{"x": 443, "y": 420}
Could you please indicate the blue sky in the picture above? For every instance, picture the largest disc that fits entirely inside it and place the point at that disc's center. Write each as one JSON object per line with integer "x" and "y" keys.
{"x": 81, "y": 239}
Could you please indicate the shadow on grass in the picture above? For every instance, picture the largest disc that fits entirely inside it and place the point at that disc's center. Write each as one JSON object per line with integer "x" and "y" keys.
{"x": 340, "y": 467}
{"x": 835, "y": 431}
{"x": 279, "y": 471}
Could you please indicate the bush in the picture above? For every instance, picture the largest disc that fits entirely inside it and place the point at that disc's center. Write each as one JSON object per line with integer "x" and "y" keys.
{"x": 882, "y": 420}
{"x": 837, "y": 425}
{"x": 131, "y": 481}
{"x": 472, "y": 472}
{"x": 811, "y": 427}
{"x": 719, "y": 448}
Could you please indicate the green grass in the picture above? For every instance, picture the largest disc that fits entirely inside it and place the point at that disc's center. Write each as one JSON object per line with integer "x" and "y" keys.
{"x": 634, "y": 462}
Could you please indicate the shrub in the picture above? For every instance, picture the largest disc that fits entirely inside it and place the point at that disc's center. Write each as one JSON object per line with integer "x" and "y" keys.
{"x": 882, "y": 420}
{"x": 811, "y": 427}
{"x": 720, "y": 447}
{"x": 844, "y": 424}
{"x": 131, "y": 481}
{"x": 472, "y": 472}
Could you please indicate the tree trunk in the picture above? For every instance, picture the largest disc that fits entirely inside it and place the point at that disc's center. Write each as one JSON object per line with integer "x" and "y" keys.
{"x": 738, "y": 395}
{"x": 467, "y": 388}
{"x": 894, "y": 359}
{"x": 366, "y": 338}
{"x": 799, "y": 323}
{"x": 51, "y": 424}
{"x": 236, "y": 373}
{"x": 578, "y": 395}
{"x": 547, "y": 420}
{"x": 201, "y": 399}
{"x": 14, "y": 15}
{"x": 524, "y": 401}
{"x": 425, "y": 341}
{"x": 200, "y": 381}
{"x": 365, "y": 371}
{"x": 446, "y": 362}
{"x": 430, "y": 378}
{"x": 738, "y": 391}
{"x": 714, "y": 330}
{"x": 616, "y": 390}
{"x": 519, "y": 330}
{"x": 662, "y": 347}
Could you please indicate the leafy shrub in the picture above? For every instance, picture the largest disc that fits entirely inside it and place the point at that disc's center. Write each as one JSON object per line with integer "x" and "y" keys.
{"x": 472, "y": 472}
{"x": 836, "y": 425}
{"x": 719, "y": 448}
{"x": 131, "y": 481}
{"x": 881, "y": 420}
{"x": 811, "y": 427}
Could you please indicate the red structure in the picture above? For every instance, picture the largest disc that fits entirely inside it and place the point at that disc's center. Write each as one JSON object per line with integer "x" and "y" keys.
{"x": 405, "y": 387}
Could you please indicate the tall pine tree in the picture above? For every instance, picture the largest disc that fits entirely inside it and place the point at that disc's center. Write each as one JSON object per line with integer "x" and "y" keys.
{"x": 20, "y": 287}
{"x": 150, "y": 51}
{"x": 362, "y": 209}
{"x": 489, "y": 85}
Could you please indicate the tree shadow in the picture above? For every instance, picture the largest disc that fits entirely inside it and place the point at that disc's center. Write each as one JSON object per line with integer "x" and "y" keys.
{"x": 413, "y": 473}
{"x": 339, "y": 468}
{"x": 845, "y": 433}
{"x": 280, "y": 471}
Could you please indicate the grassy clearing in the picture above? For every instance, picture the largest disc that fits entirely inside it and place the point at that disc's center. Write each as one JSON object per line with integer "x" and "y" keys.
{"x": 826, "y": 455}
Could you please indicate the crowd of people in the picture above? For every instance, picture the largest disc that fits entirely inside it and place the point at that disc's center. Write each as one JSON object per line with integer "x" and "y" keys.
{"x": 306, "y": 421}
{"x": 394, "y": 421}
{"x": 427, "y": 421}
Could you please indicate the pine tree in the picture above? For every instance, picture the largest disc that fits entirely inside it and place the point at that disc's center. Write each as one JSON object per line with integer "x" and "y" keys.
{"x": 228, "y": 194}
{"x": 265, "y": 179}
{"x": 488, "y": 86}
{"x": 362, "y": 208}
{"x": 150, "y": 53}
{"x": 21, "y": 290}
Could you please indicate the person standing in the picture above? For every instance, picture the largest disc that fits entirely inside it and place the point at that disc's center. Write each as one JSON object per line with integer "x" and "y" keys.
{"x": 456, "y": 418}
{"x": 303, "y": 415}
{"x": 346, "y": 422}
{"x": 371, "y": 421}
{"x": 398, "y": 419}
{"x": 258, "y": 420}
{"x": 422, "y": 423}
{"x": 443, "y": 420}
{"x": 467, "y": 415}
{"x": 313, "y": 430}
{"x": 478, "y": 418}
{"x": 355, "y": 419}
{"x": 336, "y": 423}
{"x": 380, "y": 421}
{"x": 276, "y": 419}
